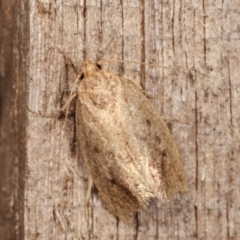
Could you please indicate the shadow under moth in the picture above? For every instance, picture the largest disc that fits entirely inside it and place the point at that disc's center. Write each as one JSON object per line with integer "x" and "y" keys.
{"x": 130, "y": 153}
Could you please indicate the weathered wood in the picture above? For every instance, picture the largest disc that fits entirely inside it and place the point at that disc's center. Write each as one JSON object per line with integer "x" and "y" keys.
{"x": 195, "y": 47}
{"x": 14, "y": 44}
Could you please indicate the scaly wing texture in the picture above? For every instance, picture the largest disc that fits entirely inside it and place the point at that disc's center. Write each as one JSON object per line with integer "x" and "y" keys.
{"x": 128, "y": 148}
{"x": 162, "y": 165}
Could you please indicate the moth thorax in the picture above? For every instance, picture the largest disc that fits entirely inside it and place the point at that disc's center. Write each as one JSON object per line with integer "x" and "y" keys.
{"x": 88, "y": 68}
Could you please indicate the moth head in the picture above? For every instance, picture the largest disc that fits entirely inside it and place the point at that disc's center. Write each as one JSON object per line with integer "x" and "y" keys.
{"x": 89, "y": 67}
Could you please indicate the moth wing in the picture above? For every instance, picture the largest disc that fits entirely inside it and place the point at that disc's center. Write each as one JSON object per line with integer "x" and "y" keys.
{"x": 128, "y": 148}
{"x": 106, "y": 144}
{"x": 162, "y": 166}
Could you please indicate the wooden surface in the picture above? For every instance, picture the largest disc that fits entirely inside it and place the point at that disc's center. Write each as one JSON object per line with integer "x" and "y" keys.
{"x": 194, "y": 46}
{"x": 14, "y": 42}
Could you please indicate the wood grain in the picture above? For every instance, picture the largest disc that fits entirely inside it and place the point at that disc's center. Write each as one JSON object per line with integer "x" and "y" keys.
{"x": 195, "y": 46}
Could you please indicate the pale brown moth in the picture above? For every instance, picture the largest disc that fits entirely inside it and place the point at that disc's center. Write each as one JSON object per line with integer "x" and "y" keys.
{"x": 130, "y": 153}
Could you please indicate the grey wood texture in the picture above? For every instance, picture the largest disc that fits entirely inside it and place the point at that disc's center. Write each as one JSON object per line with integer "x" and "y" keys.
{"x": 191, "y": 51}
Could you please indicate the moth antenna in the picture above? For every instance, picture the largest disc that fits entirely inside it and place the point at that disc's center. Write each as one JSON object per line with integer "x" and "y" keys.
{"x": 69, "y": 62}
{"x": 143, "y": 63}
{"x": 112, "y": 55}
{"x": 72, "y": 96}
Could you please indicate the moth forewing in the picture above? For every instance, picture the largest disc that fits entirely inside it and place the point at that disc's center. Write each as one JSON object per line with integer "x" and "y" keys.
{"x": 130, "y": 153}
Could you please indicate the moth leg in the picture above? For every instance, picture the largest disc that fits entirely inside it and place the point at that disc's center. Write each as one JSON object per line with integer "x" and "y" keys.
{"x": 65, "y": 107}
{"x": 68, "y": 103}
{"x": 89, "y": 188}
{"x": 55, "y": 114}
{"x": 69, "y": 62}
{"x": 112, "y": 55}
{"x": 88, "y": 196}
{"x": 77, "y": 79}
{"x": 58, "y": 219}
{"x": 59, "y": 112}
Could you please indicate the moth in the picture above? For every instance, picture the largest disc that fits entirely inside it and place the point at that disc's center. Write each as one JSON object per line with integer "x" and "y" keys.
{"x": 129, "y": 151}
